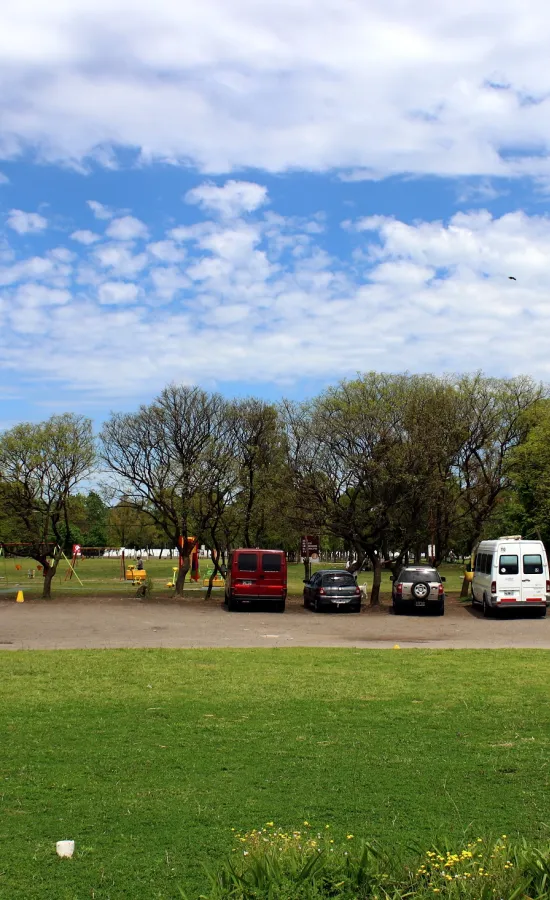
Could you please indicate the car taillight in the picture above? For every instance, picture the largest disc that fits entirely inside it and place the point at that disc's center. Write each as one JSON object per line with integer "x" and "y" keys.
{"x": 493, "y": 587}
{"x": 399, "y": 588}
{"x": 440, "y": 589}
{"x": 322, "y": 591}
{"x": 548, "y": 587}
{"x": 357, "y": 591}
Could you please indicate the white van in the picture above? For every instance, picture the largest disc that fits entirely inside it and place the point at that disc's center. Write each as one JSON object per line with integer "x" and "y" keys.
{"x": 511, "y": 572}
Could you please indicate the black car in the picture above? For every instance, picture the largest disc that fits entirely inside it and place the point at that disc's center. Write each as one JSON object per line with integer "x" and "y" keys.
{"x": 332, "y": 588}
{"x": 418, "y": 587}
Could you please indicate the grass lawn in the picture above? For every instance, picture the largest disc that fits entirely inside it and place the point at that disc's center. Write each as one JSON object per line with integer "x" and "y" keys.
{"x": 149, "y": 758}
{"x": 102, "y": 576}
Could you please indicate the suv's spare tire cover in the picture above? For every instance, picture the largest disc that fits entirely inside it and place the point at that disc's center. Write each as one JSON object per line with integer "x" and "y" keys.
{"x": 421, "y": 590}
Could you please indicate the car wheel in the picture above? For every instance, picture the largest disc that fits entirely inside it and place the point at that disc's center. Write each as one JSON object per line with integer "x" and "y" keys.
{"x": 356, "y": 609}
{"x": 440, "y": 608}
{"x": 280, "y": 606}
{"x": 487, "y": 611}
{"x": 397, "y": 608}
{"x": 317, "y": 605}
{"x": 541, "y": 613}
{"x": 306, "y": 604}
{"x": 420, "y": 590}
{"x": 232, "y": 604}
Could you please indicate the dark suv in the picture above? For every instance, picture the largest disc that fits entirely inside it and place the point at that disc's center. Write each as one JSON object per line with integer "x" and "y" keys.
{"x": 334, "y": 588}
{"x": 418, "y": 587}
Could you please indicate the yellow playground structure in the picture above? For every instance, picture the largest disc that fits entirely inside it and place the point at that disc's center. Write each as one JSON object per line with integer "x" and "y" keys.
{"x": 136, "y": 576}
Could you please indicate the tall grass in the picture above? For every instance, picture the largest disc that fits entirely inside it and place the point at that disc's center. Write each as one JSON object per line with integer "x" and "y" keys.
{"x": 271, "y": 864}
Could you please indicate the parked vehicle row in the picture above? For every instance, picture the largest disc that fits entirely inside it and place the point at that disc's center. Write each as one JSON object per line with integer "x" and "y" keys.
{"x": 508, "y": 572}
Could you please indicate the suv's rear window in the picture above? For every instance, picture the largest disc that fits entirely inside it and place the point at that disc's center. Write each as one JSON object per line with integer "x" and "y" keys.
{"x": 271, "y": 562}
{"x": 413, "y": 576}
{"x": 508, "y": 565}
{"x": 337, "y": 580}
{"x": 247, "y": 562}
{"x": 532, "y": 564}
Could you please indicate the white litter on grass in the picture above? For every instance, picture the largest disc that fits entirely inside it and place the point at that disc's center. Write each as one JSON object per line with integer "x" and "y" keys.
{"x": 271, "y": 635}
{"x": 65, "y": 848}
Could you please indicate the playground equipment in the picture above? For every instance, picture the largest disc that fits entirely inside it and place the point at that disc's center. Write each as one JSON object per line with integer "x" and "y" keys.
{"x": 172, "y": 583}
{"x": 136, "y": 576}
{"x": 219, "y": 580}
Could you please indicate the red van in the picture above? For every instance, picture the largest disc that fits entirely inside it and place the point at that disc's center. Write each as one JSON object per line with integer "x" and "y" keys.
{"x": 256, "y": 575}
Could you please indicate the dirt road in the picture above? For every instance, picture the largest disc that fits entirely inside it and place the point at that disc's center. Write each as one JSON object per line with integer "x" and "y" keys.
{"x": 109, "y": 623}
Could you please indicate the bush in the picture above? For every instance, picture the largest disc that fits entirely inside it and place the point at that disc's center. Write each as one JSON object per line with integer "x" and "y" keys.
{"x": 273, "y": 864}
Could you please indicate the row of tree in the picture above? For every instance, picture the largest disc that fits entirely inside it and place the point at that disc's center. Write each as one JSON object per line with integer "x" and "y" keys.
{"x": 381, "y": 465}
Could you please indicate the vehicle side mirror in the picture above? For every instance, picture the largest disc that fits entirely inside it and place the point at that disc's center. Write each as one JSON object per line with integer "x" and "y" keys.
{"x": 307, "y": 582}
{"x": 392, "y": 578}
{"x": 443, "y": 578}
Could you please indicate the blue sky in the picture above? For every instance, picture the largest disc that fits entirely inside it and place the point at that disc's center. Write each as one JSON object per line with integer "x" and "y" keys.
{"x": 265, "y": 198}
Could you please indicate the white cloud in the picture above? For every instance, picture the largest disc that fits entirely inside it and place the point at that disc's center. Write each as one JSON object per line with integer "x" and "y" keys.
{"x": 379, "y": 87}
{"x": 167, "y": 281}
{"x": 166, "y": 251}
{"x": 4, "y": 178}
{"x": 127, "y": 228}
{"x": 99, "y": 210}
{"x": 83, "y": 236}
{"x": 242, "y": 306}
{"x": 40, "y": 295}
{"x": 229, "y": 200}
{"x": 120, "y": 260}
{"x": 26, "y": 223}
{"x": 115, "y": 292}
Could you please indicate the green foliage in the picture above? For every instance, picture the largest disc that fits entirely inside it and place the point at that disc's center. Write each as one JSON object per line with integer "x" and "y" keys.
{"x": 273, "y": 864}
{"x": 41, "y": 466}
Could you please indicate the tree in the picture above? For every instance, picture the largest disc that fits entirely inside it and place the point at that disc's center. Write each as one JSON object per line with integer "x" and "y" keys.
{"x": 260, "y": 453}
{"x": 40, "y": 468}
{"x": 497, "y": 413}
{"x": 366, "y": 458}
{"x": 388, "y": 462}
{"x": 525, "y": 505}
{"x": 166, "y": 456}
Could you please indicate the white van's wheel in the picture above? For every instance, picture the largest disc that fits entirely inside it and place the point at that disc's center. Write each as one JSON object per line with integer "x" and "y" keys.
{"x": 487, "y": 611}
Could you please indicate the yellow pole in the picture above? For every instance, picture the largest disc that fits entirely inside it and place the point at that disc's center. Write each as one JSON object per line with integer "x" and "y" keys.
{"x": 71, "y": 567}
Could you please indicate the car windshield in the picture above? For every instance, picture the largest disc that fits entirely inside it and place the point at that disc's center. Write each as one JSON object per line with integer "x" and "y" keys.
{"x": 415, "y": 575}
{"x": 337, "y": 579}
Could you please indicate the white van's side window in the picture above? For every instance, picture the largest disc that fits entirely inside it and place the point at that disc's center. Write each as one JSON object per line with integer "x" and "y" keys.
{"x": 488, "y": 563}
{"x": 508, "y": 565}
{"x": 532, "y": 564}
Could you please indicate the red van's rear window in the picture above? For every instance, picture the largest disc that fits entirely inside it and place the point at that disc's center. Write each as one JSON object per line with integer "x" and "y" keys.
{"x": 247, "y": 562}
{"x": 271, "y": 562}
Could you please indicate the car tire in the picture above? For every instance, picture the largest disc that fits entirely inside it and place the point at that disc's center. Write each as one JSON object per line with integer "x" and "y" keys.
{"x": 421, "y": 590}
{"x": 232, "y": 604}
{"x": 487, "y": 611}
{"x": 306, "y": 604}
{"x": 356, "y": 609}
{"x": 317, "y": 605}
{"x": 440, "y": 608}
{"x": 541, "y": 613}
{"x": 397, "y": 608}
{"x": 280, "y": 606}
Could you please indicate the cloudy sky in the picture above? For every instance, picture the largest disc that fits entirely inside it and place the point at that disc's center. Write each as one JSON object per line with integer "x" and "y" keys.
{"x": 266, "y": 197}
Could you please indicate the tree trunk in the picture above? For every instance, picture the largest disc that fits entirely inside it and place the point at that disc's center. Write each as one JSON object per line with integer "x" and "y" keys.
{"x": 182, "y": 573}
{"x": 49, "y": 573}
{"x": 214, "y": 556}
{"x": 377, "y": 580}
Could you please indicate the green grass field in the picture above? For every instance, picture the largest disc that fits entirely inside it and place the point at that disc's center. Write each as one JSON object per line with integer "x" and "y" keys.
{"x": 149, "y": 758}
{"x": 102, "y": 576}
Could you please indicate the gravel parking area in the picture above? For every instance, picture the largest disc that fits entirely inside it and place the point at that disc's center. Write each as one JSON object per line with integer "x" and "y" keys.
{"x": 109, "y": 623}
